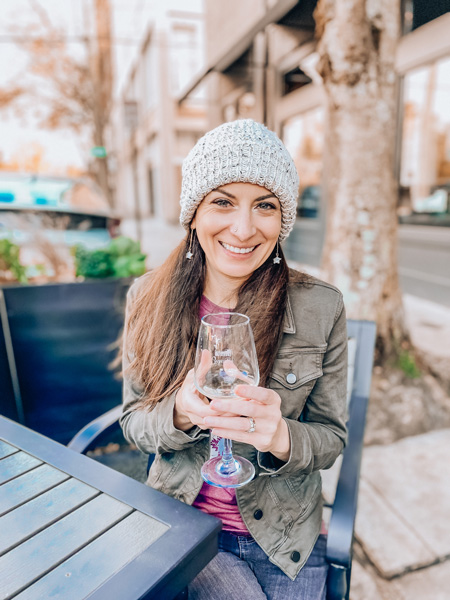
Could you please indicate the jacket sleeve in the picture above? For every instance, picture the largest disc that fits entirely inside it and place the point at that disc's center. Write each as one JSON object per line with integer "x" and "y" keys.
{"x": 320, "y": 436}
{"x": 152, "y": 431}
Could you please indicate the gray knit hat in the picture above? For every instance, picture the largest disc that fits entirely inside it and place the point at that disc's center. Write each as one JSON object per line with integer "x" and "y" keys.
{"x": 240, "y": 151}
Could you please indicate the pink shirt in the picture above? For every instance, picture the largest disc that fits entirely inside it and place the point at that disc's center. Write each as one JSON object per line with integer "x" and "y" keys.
{"x": 220, "y": 502}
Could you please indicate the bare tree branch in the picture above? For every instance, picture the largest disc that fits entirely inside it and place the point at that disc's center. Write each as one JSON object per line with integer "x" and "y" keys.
{"x": 67, "y": 91}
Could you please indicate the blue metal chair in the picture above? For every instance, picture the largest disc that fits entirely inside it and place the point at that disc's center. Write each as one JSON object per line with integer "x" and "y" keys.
{"x": 56, "y": 344}
{"x": 340, "y": 535}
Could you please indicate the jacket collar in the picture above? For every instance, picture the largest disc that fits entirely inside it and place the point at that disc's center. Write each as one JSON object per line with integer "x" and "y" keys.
{"x": 289, "y": 323}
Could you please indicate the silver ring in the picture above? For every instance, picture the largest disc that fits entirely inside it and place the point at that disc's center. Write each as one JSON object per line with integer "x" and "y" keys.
{"x": 252, "y": 425}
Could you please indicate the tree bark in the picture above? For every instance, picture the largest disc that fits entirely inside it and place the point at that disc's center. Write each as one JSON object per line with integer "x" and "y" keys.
{"x": 357, "y": 43}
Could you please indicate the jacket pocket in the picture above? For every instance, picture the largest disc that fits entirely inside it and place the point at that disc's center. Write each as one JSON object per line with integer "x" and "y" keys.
{"x": 294, "y": 374}
{"x": 298, "y": 495}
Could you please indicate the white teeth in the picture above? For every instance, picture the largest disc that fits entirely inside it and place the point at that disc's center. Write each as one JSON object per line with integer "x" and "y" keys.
{"x": 237, "y": 250}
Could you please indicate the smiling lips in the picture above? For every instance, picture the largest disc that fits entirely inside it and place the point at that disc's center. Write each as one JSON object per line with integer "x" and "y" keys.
{"x": 237, "y": 250}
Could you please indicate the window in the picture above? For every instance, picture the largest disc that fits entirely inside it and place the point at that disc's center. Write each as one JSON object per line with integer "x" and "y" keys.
{"x": 303, "y": 136}
{"x": 186, "y": 55}
{"x": 425, "y": 152}
{"x": 151, "y": 76}
{"x": 294, "y": 80}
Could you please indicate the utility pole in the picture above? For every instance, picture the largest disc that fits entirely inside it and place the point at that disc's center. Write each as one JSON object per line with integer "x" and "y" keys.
{"x": 100, "y": 61}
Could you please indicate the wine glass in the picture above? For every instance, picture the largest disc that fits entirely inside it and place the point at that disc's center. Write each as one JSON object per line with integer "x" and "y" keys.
{"x": 225, "y": 358}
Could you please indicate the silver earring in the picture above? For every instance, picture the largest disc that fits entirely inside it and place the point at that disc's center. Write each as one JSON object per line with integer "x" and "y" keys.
{"x": 189, "y": 254}
{"x": 277, "y": 259}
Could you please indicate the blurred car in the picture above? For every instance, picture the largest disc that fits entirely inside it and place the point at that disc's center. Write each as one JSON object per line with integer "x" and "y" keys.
{"x": 433, "y": 209}
{"x": 64, "y": 209}
{"x": 309, "y": 202}
{"x": 48, "y": 215}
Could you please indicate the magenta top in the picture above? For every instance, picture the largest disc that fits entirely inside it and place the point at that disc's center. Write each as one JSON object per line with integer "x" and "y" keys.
{"x": 220, "y": 502}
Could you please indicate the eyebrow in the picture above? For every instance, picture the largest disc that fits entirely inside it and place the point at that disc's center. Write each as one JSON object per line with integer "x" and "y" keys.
{"x": 221, "y": 191}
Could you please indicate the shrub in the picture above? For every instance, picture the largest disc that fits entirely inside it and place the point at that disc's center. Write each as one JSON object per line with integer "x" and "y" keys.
{"x": 121, "y": 258}
{"x": 11, "y": 269}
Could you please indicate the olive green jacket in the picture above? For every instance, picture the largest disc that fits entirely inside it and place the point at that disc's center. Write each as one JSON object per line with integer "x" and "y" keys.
{"x": 282, "y": 506}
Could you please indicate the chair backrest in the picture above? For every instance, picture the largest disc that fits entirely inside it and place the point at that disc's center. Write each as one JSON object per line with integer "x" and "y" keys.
{"x": 345, "y": 473}
{"x": 361, "y": 346}
{"x": 10, "y": 402}
{"x": 361, "y": 342}
{"x": 63, "y": 339}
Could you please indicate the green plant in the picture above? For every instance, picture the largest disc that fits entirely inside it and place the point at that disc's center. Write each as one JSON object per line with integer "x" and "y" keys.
{"x": 10, "y": 261}
{"x": 121, "y": 258}
{"x": 407, "y": 363}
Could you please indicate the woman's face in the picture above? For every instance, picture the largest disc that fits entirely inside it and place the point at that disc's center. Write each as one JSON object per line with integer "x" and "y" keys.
{"x": 237, "y": 226}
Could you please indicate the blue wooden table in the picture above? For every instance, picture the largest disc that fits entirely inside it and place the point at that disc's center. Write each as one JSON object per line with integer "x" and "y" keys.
{"x": 72, "y": 528}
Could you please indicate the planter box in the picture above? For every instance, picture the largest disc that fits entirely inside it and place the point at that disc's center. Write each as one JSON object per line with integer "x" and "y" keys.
{"x": 63, "y": 338}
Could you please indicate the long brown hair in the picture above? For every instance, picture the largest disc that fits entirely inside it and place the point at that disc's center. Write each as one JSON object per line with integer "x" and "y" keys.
{"x": 163, "y": 321}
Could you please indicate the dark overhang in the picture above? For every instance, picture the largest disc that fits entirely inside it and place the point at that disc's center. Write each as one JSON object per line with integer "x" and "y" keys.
{"x": 232, "y": 53}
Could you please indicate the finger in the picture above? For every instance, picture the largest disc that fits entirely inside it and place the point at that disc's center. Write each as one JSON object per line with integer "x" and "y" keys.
{"x": 236, "y": 435}
{"x": 201, "y": 411}
{"x": 240, "y": 407}
{"x": 228, "y": 423}
{"x": 197, "y": 404}
{"x": 263, "y": 395}
{"x": 231, "y": 369}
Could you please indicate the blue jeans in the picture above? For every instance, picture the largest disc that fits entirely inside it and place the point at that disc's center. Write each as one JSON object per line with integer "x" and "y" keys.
{"x": 242, "y": 571}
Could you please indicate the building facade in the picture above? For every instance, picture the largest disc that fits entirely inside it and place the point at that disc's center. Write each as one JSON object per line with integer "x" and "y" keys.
{"x": 263, "y": 66}
{"x": 259, "y": 61}
{"x": 151, "y": 133}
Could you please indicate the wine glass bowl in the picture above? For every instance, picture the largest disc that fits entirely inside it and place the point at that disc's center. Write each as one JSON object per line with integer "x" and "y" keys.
{"x": 225, "y": 358}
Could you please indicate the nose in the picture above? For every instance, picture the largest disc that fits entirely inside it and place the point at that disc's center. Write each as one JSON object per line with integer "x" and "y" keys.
{"x": 243, "y": 226}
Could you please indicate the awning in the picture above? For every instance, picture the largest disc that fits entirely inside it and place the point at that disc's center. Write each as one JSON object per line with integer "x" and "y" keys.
{"x": 232, "y": 53}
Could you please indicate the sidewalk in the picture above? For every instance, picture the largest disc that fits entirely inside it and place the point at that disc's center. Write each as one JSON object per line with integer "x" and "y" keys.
{"x": 429, "y": 324}
{"x": 402, "y": 531}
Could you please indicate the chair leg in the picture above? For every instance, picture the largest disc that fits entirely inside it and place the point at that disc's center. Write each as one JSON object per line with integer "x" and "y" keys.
{"x": 338, "y": 580}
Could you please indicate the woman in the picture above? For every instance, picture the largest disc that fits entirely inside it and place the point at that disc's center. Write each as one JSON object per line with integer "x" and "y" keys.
{"x": 238, "y": 202}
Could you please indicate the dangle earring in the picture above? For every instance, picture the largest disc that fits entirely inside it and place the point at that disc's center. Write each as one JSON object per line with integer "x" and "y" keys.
{"x": 277, "y": 259}
{"x": 189, "y": 254}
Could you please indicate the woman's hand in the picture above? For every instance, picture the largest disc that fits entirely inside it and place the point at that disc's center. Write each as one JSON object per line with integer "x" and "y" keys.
{"x": 263, "y": 405}
{"x": 191, "y": 407}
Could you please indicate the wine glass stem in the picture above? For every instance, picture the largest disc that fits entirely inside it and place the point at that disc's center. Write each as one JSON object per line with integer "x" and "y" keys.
{"x": 227, "y": 455}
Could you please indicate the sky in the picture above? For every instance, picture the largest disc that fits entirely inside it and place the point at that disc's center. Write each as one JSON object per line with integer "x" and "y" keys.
{"x": 61, "y": 147}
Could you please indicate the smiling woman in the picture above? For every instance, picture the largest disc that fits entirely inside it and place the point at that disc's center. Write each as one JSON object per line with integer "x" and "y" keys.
{"x": 238, "y": 201}
{"x": 237, "y": 226}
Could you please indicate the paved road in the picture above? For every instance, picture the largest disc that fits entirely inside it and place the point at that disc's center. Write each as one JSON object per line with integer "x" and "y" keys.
{"x": 424, "y": 262}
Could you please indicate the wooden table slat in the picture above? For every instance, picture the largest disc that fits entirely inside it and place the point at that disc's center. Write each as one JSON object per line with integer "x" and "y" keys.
{"x": 30, "y": 518}
{"x": 16, "y": 464}
{"x": 60, "y": 540}
{"x": 79, "y": 576}
{"x": 7, "y": 449}
{"x": 28, "y": 486}
{"x": 129, "y": 542}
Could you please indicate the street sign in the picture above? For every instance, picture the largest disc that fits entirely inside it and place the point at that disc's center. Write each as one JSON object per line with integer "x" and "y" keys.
{"x": 99, "y": 151}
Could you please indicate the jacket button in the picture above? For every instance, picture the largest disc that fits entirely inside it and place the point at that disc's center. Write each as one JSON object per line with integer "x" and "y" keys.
{"x": 295, "y": 556}
{"x": 258, "y": 514}
{"x": 291, "y": 378}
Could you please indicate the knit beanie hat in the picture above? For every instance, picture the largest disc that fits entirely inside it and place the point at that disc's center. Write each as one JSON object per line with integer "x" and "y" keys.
{"x": 240, "y": 151}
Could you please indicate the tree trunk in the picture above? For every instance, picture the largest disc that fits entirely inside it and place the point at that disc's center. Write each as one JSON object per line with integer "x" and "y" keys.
{"x": 357, "y": 43}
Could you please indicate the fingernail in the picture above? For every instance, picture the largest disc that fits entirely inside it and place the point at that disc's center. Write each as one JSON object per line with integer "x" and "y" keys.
{"x": 216, "y": 404}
